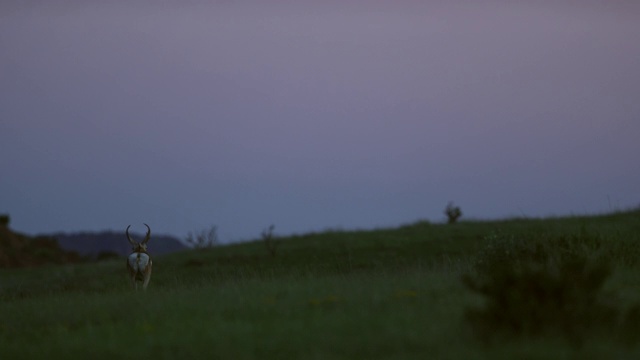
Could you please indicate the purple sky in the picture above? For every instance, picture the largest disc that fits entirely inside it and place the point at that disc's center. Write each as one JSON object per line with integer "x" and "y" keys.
{"x": 314, "y": 114}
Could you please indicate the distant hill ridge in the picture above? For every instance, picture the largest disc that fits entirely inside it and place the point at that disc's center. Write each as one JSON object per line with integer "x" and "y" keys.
{"x": 95, "y": 243}
{"x": 21, "y": 250}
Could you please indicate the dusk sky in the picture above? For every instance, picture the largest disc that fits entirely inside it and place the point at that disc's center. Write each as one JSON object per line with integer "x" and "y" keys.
{"x": 314, "y": 115}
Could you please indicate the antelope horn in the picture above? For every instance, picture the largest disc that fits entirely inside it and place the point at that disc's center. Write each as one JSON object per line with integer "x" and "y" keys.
{"x": 148, "y": 236}
{"x": 128, "y": 236}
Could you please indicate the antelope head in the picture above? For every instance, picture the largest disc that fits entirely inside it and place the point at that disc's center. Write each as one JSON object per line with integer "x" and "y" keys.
{"x": 141, "y": 246}
{"x": 139, "y": 262}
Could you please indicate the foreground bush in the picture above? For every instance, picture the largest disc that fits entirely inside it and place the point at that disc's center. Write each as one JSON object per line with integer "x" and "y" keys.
{"x": 548, "y": 286}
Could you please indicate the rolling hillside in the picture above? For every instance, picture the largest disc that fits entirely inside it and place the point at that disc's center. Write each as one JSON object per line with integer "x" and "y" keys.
{"x": 553, "y": 288}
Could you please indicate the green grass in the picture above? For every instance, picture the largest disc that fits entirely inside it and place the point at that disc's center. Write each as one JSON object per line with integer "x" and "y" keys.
{"x": 383, "y": 294}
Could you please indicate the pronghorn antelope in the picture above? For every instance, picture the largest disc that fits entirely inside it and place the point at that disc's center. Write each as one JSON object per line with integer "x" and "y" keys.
{"x": 139, "y": 261}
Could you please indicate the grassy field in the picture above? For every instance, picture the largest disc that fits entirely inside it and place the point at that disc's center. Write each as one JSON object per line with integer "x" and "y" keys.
{"x": 383, "y": 294}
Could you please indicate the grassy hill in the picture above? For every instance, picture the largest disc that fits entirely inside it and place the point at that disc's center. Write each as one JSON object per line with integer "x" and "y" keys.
{"x": 517, "y": 288}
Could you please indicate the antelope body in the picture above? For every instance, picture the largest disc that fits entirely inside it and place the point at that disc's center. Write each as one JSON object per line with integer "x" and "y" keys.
{"x": 139, "y": 262}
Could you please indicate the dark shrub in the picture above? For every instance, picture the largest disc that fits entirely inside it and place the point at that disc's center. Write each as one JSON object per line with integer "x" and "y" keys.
{"x": 452, "y": 212}
{"x": 205, "y": 239}
{"x": 270, "y": 242}
{"x": 5, "y": 220}
{"x": 548, "y": 286}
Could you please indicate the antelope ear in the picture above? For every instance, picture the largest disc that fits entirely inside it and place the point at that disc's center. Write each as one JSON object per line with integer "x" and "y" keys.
{"x": 129, "y": 237}
{"x": 148, "y": 236}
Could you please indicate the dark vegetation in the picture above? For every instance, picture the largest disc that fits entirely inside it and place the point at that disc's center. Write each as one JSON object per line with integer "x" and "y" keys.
{"x": 550, "y": 285}
{"x": 204, "y": 239}
{"x": 17, "y": 250}
{"x": 452, "y": 212}
{"x": 270, "y": 242}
